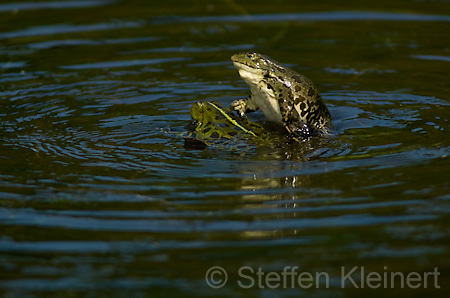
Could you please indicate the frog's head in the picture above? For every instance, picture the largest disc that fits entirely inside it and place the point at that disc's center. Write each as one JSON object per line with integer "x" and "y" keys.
{"x": 197, "y": 113}
{"x": 203, "y": 116}
{"x": 253, "y": 66}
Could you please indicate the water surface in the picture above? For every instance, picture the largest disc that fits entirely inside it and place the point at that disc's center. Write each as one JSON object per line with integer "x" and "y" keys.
{"x": 99, "y": 196}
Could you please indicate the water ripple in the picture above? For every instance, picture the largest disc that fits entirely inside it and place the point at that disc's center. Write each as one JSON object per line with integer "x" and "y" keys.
{"x": 66, "y": 28}
{"x": 15, "y": 64}
{"x": 14, "y": 7}
{"x": 99, "y": 195}
{"x": 309, "y": 17}
{"x": 89, "y": 42}
{"x": 123, "y": 63}
{"x": 30, "y": 218}
{"x": 432, "y": 57}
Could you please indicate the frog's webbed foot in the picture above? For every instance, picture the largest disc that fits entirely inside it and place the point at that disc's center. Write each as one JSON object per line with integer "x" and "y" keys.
{"x": 244, "y": 105}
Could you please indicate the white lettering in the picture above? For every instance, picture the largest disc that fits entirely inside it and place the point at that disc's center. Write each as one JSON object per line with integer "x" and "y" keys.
{"x": 291, "y": 273}
{"x": 327, "y": 279}
{"x": 402, "y": 279}
{"x": 260, "y": 274}
{"x": 272, "y": 277}
{"x": 251, "y": 279}
{"x": 410, "y": 278}
{"x": 301, "y": 279}
{"x": 291, "y": 277}
{"x": 436, "y": 273}
{"x": 348, "y": 276}
{"x": 373, "y": 277}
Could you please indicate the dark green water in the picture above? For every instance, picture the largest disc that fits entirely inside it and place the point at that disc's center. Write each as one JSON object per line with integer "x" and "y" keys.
{"x": 99, "y": 197}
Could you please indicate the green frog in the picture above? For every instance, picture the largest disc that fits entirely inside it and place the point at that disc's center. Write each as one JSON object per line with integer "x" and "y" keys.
{"x": 284, "y": 96}
{"x": 213, "y": 123}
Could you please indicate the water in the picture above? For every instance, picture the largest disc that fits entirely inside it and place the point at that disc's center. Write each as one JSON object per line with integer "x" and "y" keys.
{"x": 99, "y": 197}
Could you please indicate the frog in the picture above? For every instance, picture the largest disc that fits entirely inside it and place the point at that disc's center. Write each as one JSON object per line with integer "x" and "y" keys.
{"x": 212, "y": 124}
{"x": 285, "y": 97}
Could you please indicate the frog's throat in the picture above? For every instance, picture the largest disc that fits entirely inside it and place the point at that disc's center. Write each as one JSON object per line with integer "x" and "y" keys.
{"x": 232, "y": 120}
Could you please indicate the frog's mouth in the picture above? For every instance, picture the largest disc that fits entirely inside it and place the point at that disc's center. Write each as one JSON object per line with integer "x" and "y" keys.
{"x": 249, "y": 74}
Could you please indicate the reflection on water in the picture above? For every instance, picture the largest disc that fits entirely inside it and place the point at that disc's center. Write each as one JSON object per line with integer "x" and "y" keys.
{"x": 315, "y": 16}
{"x": 98, "y": 195}
{"x": 16, "y": 7}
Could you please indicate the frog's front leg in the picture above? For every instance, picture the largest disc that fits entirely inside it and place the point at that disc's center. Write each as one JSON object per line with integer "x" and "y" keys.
{"x": 244, "y": 105}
